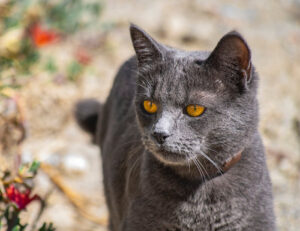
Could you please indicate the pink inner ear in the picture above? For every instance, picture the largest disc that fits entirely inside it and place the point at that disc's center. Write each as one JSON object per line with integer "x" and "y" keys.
{"x": 243, "y": 53}
{"x": 244, "y": 56}
{"x": 233, "y": 48}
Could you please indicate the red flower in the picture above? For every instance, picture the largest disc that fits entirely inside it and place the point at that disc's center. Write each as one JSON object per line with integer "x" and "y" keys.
{"x": 42, "y": 37}
{"x": 20, "y": 199}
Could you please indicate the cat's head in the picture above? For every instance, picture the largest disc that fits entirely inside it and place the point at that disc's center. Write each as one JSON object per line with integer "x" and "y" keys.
{"x": 195, "y": 105}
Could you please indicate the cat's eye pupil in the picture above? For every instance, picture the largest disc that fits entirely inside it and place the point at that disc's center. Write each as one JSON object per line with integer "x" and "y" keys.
{"x": 194, "y": 110}
{"x": 149, "y": 106}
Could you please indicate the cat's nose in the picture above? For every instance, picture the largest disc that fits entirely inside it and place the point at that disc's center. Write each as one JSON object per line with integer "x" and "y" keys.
{"x": 160, "y": 137}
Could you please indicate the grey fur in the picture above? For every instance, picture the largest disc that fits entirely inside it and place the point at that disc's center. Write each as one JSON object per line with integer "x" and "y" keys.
{"x": 170, "y": 186}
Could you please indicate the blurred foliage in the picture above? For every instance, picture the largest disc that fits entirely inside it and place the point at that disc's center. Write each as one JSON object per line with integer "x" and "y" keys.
{"x": 26, "y": 28}
{"x": 28, "y": 25}
{"x": 82, "y": 14}
{"x": 15, "y": 196}
{"x": 46, "y": 227}
{"x": 74, "y": 70}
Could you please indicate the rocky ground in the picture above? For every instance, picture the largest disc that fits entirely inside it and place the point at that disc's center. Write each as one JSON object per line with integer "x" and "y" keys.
{"x": 272, "y": 29}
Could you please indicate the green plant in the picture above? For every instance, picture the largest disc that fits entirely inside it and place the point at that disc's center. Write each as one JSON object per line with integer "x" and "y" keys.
{"x": 15, "y": 196}
{"x": 28, "y": 25}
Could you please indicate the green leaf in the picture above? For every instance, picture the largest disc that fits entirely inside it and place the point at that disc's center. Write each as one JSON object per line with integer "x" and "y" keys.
{"x": 19, "y": 227}
{"x": 51, "y": 66}
{"x": 34, "y": 166}
{"x": 94, "y": 8}
{"x": 16, "y": 228}
{"x": 74, "y": 70}
{"x": 45, "y": 228}
{"x": 21, "y": 168}
{"x": 23, "y": 227}
{"x": 6, "y": 213}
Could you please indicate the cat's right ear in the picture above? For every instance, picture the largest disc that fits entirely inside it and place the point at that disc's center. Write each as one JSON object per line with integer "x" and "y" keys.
{"x": 146, "y": 48}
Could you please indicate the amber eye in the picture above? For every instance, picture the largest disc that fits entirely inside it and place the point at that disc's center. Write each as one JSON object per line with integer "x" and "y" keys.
{"x": 150, "y": 106}
{"x": 194, "y": 110}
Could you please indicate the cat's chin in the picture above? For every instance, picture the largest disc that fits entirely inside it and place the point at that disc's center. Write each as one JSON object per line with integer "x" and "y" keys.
{"x": 170, "y": 158}
{"x": 166, "y": 156}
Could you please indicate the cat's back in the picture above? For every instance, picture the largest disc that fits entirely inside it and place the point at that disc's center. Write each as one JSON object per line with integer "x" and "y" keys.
{"x": 118, "y": 136}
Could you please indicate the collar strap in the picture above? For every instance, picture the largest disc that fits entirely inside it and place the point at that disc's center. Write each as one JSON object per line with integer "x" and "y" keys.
{"x": 231, "y": 162}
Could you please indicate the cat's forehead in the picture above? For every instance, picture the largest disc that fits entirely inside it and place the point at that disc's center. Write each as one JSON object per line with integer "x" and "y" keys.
{"x": 188, "y": 55}
{"x": 179, "y": 84}
{"x": 185, "y": 68}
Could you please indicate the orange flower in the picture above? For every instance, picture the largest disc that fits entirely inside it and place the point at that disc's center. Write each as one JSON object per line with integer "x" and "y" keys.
{"x": 20, "y": 199}
{"x": 42, "y": 37}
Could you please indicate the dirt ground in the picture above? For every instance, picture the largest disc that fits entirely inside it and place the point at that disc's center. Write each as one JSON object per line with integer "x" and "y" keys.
{"x": 272, "y": 29}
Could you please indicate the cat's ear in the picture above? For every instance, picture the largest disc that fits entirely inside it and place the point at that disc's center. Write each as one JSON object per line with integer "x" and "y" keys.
{"x": 146, "y": 48}
{"x": 233, "y": 54}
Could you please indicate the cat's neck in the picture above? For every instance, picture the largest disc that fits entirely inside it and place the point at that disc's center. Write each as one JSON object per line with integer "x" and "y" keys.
{"x": 195, "y": 170}
{"x": 209, "y": 170}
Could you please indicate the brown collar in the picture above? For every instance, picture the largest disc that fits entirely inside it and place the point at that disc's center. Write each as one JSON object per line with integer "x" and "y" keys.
{"x": 213, "y": 171}
{"x": 231, "y": 162}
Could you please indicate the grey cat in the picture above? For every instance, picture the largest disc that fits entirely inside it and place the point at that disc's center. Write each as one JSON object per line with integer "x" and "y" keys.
{"x": 179, "y": 140}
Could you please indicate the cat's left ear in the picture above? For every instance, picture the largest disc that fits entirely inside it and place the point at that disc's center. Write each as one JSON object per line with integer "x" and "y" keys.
{"x": 233, "y": 54}
{"x": 146, "y": 48}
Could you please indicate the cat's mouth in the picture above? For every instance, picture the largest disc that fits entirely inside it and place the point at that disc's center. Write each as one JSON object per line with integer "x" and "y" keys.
{"x": 170, "y": 157}
{"x": 167, "y": 154}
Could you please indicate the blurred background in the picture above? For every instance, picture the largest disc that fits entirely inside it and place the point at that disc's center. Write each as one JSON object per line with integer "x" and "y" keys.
{"x": 53, "y": 53}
